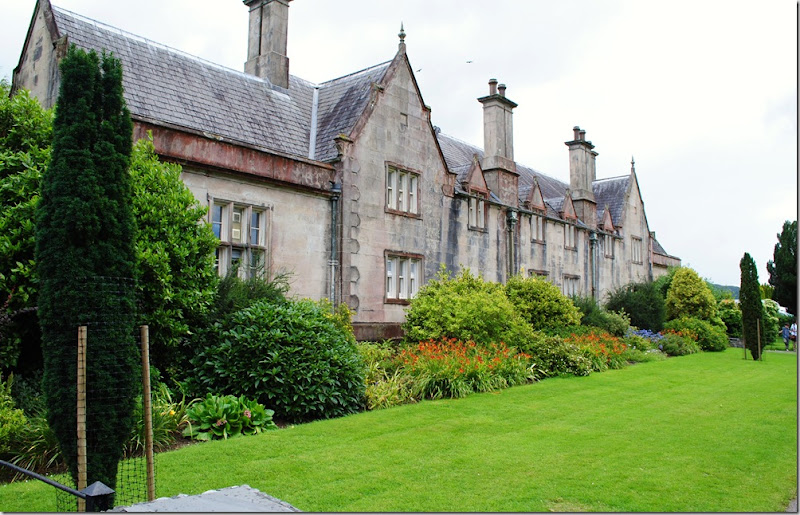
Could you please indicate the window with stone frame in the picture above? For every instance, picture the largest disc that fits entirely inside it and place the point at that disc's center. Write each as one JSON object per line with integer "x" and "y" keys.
{"x": 538, "y": 226}
{"x": 242, "y": 230}
{"x": 403, "y": 276}
{"x": 402, "y": 191}
{"x": 636, "y": 249}
{"x": 570, "y": 285}
{"x": 570, "y": 236}
{"x": 477, "y": 211}
{"x": 608, "y": 245}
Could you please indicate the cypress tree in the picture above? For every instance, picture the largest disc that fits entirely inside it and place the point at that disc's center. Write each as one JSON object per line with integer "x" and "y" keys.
{"x": 750, "y": 303}
{"x": 84, "y": 235}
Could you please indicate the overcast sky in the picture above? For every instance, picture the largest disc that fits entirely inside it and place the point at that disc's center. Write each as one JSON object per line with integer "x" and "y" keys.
{"x": 702, "y": 93}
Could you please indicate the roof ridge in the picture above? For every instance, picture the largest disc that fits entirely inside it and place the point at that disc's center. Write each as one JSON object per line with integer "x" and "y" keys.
{"x": 368, "y": 68}
{"x": 613, "y": 178}
{"x": 156, "y": 44}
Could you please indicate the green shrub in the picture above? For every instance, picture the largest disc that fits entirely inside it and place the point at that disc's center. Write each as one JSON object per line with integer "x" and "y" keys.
{"x": 541, "y": 304}
{"x": 674, "y": 344}
{"x": 386, "y": 384}
{"x": 169, "y": 419}
{"x": 690, "y": 296}
{"x": 552, "y": 356}
{"x": 466, "y": 308}
{"x": 731, "y": 316}
{"x": 289, "y": 356}
{"x": 643, "y": 302}
{"x": 637, "y": 342}
{"x": 710, "y": 338}
{"x": 771, "y": 327}
{"x": 593, "y": 315}
{"x": 227, "y": 416}
{"x": 633, "y": 355}
{"x": 12, "y": 420}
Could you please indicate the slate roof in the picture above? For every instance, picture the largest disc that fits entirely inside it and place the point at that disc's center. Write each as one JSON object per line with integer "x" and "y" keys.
{"x": 164, "y": 85}
{"x": 611, "y": 192}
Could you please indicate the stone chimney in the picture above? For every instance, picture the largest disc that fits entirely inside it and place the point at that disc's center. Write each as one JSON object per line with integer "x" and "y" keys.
{"x": 498, "y": 164}
{"x": 266, "y": 41}
{"x": 581, "y": 176}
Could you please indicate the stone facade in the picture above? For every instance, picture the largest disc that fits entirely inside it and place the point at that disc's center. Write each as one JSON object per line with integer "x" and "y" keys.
{"x": 347, "y": 184}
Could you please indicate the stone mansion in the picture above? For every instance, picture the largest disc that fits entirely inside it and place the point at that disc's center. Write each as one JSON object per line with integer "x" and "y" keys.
{"x": 346, "y": 184}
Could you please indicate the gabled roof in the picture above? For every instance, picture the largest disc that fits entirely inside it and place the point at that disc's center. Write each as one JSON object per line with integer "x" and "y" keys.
{"x": 166, "y": 86}
{"x": 458, "y": 153}
{"x": 611, "y": 193}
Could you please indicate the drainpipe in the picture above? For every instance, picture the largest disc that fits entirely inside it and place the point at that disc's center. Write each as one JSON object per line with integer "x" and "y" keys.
{"x": 511, "y": 218}
{"x": 593, "y": 261}
{"x": 336, "y": 191}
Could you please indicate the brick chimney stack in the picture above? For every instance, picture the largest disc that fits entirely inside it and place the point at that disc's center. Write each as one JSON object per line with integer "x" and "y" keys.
{"x": 498, "y": 164}
{"x": 266, "y": 43}
{"x": 582, "y": 174}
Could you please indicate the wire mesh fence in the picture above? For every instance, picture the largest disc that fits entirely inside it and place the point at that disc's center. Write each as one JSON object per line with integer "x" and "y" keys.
{"x": 113, "y": 389}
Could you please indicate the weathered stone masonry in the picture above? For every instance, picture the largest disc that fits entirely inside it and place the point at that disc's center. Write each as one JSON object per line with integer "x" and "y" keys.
{"x": 347, "y": 184}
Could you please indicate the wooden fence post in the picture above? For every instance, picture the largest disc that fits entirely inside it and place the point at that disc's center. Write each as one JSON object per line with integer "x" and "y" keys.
{"x": 148, "y": 413}
{"x": 81, "y": 414}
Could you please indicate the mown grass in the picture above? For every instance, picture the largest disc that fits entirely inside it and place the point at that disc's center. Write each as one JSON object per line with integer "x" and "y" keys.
{"x": 705, "y": 432}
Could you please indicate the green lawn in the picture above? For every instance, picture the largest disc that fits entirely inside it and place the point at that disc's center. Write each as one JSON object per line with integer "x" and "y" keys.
{"x": 705, "y": 432}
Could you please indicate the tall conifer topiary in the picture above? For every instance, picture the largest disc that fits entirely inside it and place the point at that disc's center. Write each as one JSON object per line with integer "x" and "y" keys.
{"x": 750, "y": 302}
{"x": 84, "y": 237}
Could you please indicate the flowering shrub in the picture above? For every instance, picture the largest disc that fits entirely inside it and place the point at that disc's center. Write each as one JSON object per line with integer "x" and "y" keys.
{"x": 448, "y": 367}
{"x": 603, "y": 350}
{"x": 710, "y": 337}
{"x": 652, "y": 337}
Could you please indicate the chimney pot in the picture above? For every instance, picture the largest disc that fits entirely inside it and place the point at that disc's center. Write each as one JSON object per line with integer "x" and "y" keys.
{"x": 583, "y": 135}
{"x": 502, "y": 89}
{"x": 576, "y": 133}
{"x": 492, "y": 86}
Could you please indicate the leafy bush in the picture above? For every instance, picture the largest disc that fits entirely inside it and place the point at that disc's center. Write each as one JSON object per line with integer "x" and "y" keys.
{"x": 731, "y": 316}
{"x": 289, "y": 356}
{"x": 466, "y": 308}
{"x": 650, "y": 336}
{"x": 450, "y": 368}
{"x": 235, "y": 294}
{"x": 541, "y": 304}
{"x": 175, "y": 255}
{"x": 675, "y": 344}
{"x": 710, "y": 338}
{"x": 643, "y": 302}
{"x": 169, "y": 417}
{"x": 690, "y": 296}
{"x": 552, "y": 356}
{"x": 12, "y": 420}
{"x": 386, "y": 384}
{"x": 593, "y": 315}
{"x": 771, "y": 327}
{"x": 227, "y": 416}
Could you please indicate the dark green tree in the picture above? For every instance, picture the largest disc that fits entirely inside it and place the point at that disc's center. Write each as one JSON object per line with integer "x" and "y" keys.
{"x": 750, "y": 303}
{"x": 642, "y": 301}
{"x": 783, "y": 268}
{"x": 84, "y": 236}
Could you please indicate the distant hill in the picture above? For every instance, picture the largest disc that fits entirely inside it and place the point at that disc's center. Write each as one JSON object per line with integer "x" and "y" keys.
{"x": 733, "y": 289}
